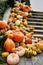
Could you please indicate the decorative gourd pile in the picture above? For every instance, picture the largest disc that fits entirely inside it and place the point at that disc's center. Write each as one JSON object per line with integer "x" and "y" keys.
{"x": 17, "y": 36}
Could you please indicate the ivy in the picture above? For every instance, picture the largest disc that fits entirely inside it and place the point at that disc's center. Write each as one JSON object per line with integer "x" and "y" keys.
{"x": 3, "y": 7}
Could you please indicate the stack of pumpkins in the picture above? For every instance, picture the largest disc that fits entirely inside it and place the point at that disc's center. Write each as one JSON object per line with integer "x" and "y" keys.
{"x": 19, "y": 35}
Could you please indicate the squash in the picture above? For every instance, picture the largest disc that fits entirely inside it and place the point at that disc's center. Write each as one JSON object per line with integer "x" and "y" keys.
{"x": 9, "y": 34}
{"x": 14, "y": 19}
{"x": 13, "y": 50}
{"x": 29, "y": 46}
{"x": 40, "y": 44}
{"x": 5, "y": 54}
{"x": 18, "y": 36}
{"x": 9, "y": 45}
{"x": 34, "y": 53}
{"x": 17, "y": 30}
{"x": 23, "y": 45}
{"x": 13, "y": 59}
{"x": 28, "y": 41}
{"x": 28, "y": 53}
{"x": 22, "y": 6}
{"x": 23, "y": 15}
{"x": 25, "y": 22}
{"x": 20, "y": 51}
{"x": 4, "y": 25}
{"x": 17, "y": 22}
{"x": 29, "y": 35}
{"x": 26, "y": 9}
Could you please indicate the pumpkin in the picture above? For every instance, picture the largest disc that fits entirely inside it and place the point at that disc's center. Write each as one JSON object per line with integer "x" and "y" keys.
{"x": 12, "y": 15}
{"x": 8, "y": 27}
{"x": 17, "y": 30}
{"x": 26, "y": 13}
{"x": 26, "y": 9}
{"x": 5, "y": 54}
{"x": 23, "y": 15}
{"x": 18, "y": 22}
{"x": 3, "y": 25}
{"x": 13, "y": 59}
{"x": 20, "y": 51}
{"x": 18, "y": 36}
{"x": 9, "y": 45}
{"x": 25, "y": 22}
{"x": 10, "y": 36}
{"x": 23, "y": 45}
{"x": 28, "y": 41}
{"x": 22, "y": 6}
{"x": 8, "y": 32}
{"x": 14, "y": 19}
{"x": 28, "y": 53}
{"x": 29, "y": 35}
{"x": 40, "y": 44}
{"x": 13, "y": 50}
{"x": 19, "y": 17}
{"x": 29, "y": 46}
{"x": 34, "y": 53}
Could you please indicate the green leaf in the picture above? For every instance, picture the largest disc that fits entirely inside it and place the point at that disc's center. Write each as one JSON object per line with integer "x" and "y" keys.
{"x": 2, "y": 60}
{"x": 2, "y": 40}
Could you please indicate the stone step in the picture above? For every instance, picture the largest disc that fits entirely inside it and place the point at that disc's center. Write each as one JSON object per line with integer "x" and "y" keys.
{"x": 38, "y": 35}
{"x": 40, "y": 31}
{"x": 35, "y": 26}
{"x": 35, "y": 23}
{"x": 34, "y": 19}
{"x": 37, "y": 12}
{"x": 37, "y": 17}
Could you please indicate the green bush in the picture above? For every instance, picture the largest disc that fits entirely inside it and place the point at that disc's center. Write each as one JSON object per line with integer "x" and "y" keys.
{"x": 3, "y": 7}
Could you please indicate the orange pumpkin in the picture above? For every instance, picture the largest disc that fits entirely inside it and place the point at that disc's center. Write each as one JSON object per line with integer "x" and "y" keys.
{"x": 26, "y": 9}
{"x": 3, "y": 24}
{"x": 23, "y": 15}
{"x": 17, "y": 30}
{"x": 14, "y": 19}
{"x": 29, "y": 35}
{"x": 9, "y": 45}
{"x": 13, "y": 50}
{"x": 23, "y": 45}
{"x": 22, "y": 6}
{"x": 41, "y": 45}
{"x": 12, "y": 15}
{"x": 8, "y": 27}
{"x": 10, "y": 36}
{"x": 18, "y": 36}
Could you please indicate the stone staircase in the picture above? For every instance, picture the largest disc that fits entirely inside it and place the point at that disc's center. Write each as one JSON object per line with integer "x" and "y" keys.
{"x": 36, "y": 20}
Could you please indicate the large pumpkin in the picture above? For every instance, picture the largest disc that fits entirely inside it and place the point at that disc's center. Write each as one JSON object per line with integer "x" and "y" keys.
{"x": 18, "y": 36}
{"x": 9, "y": 45}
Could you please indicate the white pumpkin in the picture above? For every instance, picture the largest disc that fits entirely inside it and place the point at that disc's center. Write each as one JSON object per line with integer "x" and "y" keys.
{"x": 19, "y": 16}
{"x": 12, "y": 59}
{"x": 18, "y": 22}
{"x": 20, "y": 51}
